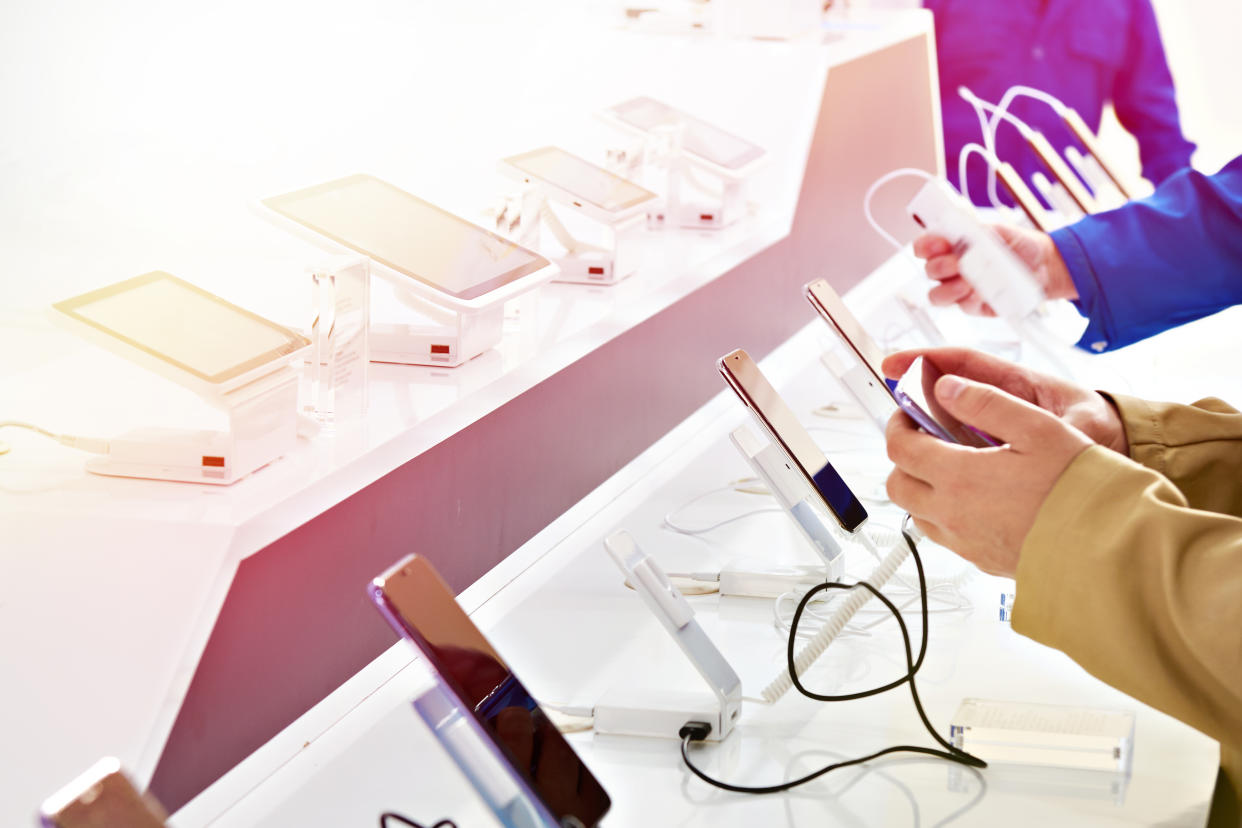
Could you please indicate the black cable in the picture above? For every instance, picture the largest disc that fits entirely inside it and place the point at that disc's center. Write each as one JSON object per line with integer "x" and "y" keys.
{"x": 950, "y": 753}
{"x": 404, "y": 820}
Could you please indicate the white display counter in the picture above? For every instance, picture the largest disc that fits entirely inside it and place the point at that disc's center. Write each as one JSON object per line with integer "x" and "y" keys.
{"x": 146, "y": 139}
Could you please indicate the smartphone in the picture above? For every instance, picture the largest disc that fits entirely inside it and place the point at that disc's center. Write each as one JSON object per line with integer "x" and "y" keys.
{"x": 102, "y": 797}
{"x": 846, "y": 326}
{"x": 915, "y": 396}
{"x": 749, "y": 383}
{"x": 598, "y": 192}
{"x": 421, "y": 607}
{"x": 700, "y": 139}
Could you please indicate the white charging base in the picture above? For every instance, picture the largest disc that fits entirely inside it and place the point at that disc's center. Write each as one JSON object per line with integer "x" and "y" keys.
{"x": 659, "y": 714}
{"x": 263, "y": 426}
{"x": 762, "y": 579}
{"x": 464, "y": 337}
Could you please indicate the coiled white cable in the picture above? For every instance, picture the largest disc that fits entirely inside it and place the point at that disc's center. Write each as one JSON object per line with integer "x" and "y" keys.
{"x": 836, "y": 622}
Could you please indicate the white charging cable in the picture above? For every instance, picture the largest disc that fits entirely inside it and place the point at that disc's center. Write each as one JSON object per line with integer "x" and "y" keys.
{"x": 96, "y": 445}
{"x": 836, "y": 621}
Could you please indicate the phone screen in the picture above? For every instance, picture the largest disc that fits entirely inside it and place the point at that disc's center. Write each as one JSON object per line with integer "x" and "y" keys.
{"x": 749, "y": 383}
{"x": 914, "y": 393}
{"x": 420, "y": 606}
{"x": 594, "y": 185}
{"x": 413, "y": 237}
{"x": 708, "y": 142}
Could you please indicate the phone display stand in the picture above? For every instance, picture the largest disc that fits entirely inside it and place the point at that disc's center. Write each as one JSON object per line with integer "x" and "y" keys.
{"x": 661, "y": 714}
{"x": 859, "y": 383}
{"x": 444, "y": 336}
{"x": 495, "y": 782}
{"x": 700, "y": 197}
{"x": 616, "y": 255}
{"x": 804, "y": 506}
{"x": 262, "y": 427}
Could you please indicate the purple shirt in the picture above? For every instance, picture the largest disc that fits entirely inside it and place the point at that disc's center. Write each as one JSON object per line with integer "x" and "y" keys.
{"x": 1085, "y": 52}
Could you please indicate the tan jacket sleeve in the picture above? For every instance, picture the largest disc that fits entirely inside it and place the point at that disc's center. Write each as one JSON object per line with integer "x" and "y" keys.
{"x": 1197, "y": 447}
{"x": 1144, "y": 592}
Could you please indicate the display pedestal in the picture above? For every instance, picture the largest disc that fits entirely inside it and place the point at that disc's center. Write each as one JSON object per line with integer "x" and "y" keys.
{"x": 262, "y": 427}
{"x": 616, "y": 255}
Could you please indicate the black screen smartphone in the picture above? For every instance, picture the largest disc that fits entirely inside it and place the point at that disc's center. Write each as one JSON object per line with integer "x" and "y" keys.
{"x": 749, "y": 383}
{"x": 421, "y": 607}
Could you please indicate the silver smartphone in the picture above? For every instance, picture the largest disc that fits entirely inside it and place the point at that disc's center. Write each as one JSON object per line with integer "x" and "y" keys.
{"x": 421, "y": 607}
{"x": 753, "y": 388}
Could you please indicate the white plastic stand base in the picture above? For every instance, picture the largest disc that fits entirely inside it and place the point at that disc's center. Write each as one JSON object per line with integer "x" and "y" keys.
{"x": 459, "y": 339}
{"x": 263, "y": 423}
{"x": 795, "y": 497}
{"x": 659, "y": 714}
{"x": 617, "y": 254}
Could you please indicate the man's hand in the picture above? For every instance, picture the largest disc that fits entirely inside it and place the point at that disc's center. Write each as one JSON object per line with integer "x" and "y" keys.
{"x": 981, "y": 503}
{"x": 1034, "y": 248}
{"x": 1088, "y": 411}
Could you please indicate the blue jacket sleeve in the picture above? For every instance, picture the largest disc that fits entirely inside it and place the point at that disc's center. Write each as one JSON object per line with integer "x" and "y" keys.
{"x": 1144, "y": 99}
{"x": 1158, "y": 262}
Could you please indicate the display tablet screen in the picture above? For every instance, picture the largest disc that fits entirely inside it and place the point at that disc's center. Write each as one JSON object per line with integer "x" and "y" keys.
{"x": 421, "y": 607}
{"x": 183, "y": 325}
{"x": 745, "y": 378}
{"x": 708, "y": 142}
{"x": 594, "y": 185}
{"x": 409, "y": 235}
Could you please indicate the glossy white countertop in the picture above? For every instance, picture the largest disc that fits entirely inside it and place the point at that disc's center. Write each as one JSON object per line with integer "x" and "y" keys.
{"x": 557, "y": 611}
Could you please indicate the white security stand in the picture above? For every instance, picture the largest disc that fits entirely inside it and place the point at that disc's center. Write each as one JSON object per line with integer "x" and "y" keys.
{"x": 636, "y": 713}
{"x": 705, "y": 197}
{"x": 804, "y": 506}
{"x": 262, "y": 426}
{"x": 876, "y": 402}
{"x": 444, "y": 336}
{"x": 616, "y": 255}
{"x": 494, "y": 780}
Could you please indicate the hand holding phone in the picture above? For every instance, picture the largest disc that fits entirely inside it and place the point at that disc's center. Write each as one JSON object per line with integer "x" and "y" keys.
{"x": 916, "y": 396}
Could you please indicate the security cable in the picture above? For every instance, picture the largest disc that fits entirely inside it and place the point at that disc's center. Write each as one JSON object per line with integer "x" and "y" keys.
{"x": 698, "y": 731}
{"x": 403, "y": 820}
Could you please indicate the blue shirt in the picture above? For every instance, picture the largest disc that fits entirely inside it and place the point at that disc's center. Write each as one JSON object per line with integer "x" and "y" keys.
{"x": 1084, "y": 52}
{"x": 1158, "y": 262}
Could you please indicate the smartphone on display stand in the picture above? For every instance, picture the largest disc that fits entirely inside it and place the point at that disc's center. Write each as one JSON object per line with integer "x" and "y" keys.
{"x": 753, "y": 388}
{"x": 420, "y": 606}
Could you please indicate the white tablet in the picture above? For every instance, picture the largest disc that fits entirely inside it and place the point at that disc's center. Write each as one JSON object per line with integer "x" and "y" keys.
{"x": 601, "y": 194}
{"x": 462, "y": 264}
{"x": 182, "y": 331}
{"x": 702, "y": 140}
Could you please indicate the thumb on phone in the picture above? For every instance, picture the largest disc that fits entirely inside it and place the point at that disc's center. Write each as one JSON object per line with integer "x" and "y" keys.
{"x": 1004, "y": 416}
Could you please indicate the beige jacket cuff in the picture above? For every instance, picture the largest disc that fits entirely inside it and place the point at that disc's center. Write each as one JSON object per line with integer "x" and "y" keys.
{"x": 1063, "y": 524}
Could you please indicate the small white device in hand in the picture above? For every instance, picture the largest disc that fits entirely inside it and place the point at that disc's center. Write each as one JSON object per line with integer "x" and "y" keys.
{"x": 1001, "y": 278}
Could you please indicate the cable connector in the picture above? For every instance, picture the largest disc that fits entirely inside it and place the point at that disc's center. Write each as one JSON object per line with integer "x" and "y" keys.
{"x": 695, "y": 731}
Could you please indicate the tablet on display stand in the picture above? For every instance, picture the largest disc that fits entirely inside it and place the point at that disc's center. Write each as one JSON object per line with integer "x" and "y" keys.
{"x": 235, "y": 360}
{"x": 692, "y": 149}
{"x": 615, "y": 205}
{"x": 455, "y": 275}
